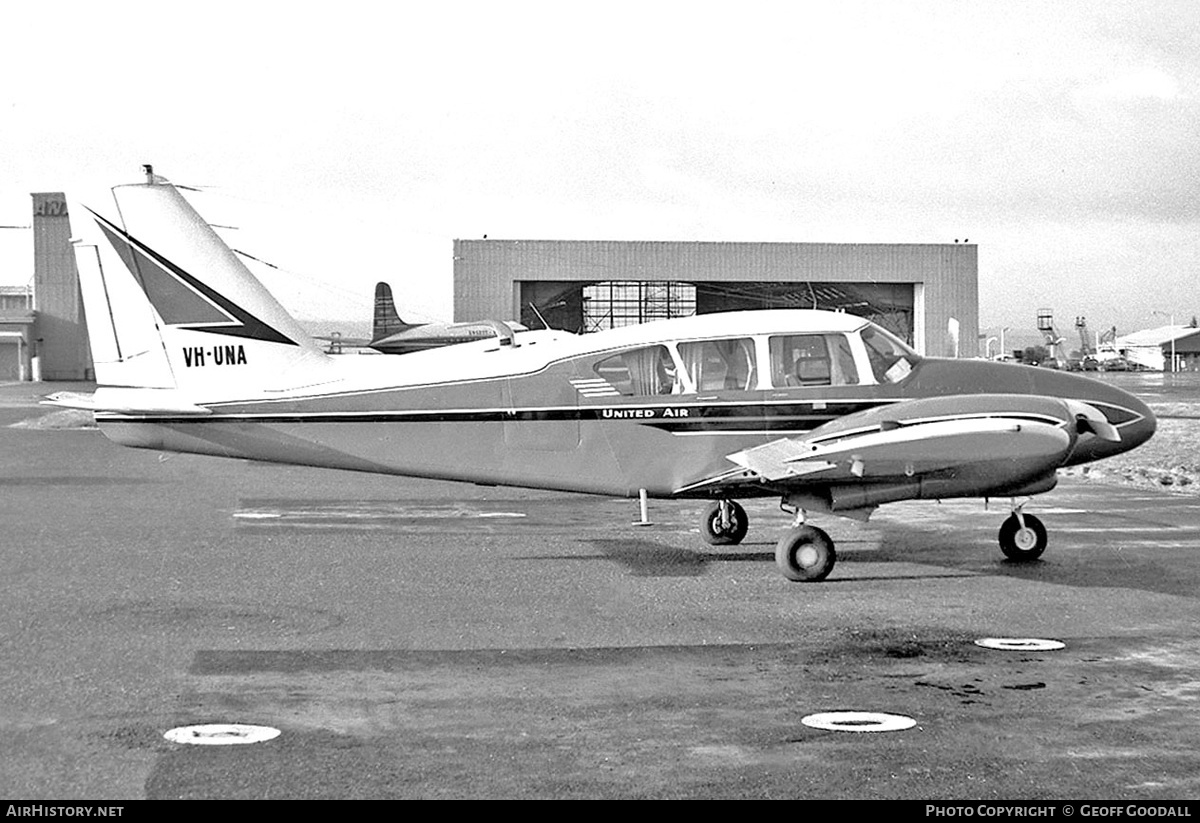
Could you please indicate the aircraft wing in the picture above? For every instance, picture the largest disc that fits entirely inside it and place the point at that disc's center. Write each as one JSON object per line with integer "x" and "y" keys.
{"x": 966, "y": 444}
{"x": 918, "y": 448}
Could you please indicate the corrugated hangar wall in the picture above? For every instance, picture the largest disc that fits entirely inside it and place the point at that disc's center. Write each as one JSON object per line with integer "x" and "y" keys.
{"x": 944, "y": 278}
{"x": 59, "y": 330}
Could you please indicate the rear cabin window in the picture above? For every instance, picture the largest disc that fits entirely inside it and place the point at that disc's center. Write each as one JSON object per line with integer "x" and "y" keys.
{"x": 812, "y": 360}
{"x": 648, "y": 371}
{"x": 720, "y": 365}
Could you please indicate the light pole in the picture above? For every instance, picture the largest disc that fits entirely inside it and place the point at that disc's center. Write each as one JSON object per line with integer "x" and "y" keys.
{"x": 1171, "y": 317}
{"x": 1003, "y": 351}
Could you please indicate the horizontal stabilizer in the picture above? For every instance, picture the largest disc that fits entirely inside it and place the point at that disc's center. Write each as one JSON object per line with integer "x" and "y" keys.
{"x": 127, "y": 401}
{"x": 70, "y": 400}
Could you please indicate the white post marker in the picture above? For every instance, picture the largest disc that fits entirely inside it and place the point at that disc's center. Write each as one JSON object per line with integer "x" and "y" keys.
{"x": 858, "y": 722}
{"x": 643, "y": 500}
{"x": 1020, "y": 644}
{"x": 221, "y": 734}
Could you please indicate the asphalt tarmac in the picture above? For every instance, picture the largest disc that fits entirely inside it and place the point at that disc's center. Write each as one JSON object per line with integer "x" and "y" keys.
{"x": 413, "y": 639}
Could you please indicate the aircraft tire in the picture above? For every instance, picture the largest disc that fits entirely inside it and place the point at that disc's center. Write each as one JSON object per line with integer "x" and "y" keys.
{"x": 1023, "y": 544}
{"x": 805, "y": 554}
{"x": 710, "y": 525}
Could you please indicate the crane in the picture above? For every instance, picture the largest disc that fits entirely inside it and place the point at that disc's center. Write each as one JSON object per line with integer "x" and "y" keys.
{"x": 1087, "y": 352}
{"x": 1054, "y": 341}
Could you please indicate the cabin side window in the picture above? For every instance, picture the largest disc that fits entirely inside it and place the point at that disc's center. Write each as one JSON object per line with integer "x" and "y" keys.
{"x": 812, "y": 360}
{"x": 648, "y": 371}
{"x": 720, "y": 365}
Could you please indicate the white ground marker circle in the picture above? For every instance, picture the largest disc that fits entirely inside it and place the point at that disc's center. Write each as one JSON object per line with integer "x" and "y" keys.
{"x": 1020, "y": 644}
{"x": 858, "y": 722}
{"x": 221, "y": 734}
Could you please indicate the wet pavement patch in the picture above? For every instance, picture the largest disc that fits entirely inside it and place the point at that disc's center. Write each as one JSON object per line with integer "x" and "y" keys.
{"x": 712, "y": 721}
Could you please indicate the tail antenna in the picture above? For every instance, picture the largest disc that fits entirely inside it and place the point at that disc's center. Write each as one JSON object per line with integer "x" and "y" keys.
{"x": 152, "y": 178}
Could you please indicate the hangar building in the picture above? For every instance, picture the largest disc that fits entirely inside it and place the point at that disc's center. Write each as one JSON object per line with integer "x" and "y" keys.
{"x": 60, "y": 333}
{"x": 16, "y": 324}
{"x": 927, "y": 294}
{"x": 42, "y": 333}
{"x": 1154, "y": 349}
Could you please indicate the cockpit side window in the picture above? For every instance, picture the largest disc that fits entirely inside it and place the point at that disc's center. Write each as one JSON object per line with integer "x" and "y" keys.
{"x": 720, "y": 365}
{"x": 812, "y": 360}
{"x": 891, "y": 360}
{"x": 638, "y": 372}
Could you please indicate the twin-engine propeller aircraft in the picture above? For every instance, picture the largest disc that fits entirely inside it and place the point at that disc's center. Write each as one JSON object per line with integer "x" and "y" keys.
{"x": 826, "y": 411}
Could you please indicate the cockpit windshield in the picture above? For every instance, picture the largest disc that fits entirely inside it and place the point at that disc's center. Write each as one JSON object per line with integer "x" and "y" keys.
{"x": 891, "y": 359}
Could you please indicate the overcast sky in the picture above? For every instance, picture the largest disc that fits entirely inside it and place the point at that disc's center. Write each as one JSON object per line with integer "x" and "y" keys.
{"x": 351, "y": 142}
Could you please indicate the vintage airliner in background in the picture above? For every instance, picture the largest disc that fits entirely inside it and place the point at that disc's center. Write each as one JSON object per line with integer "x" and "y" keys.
{"x": 392, "y": 335}
{"x": 825, "y": 411}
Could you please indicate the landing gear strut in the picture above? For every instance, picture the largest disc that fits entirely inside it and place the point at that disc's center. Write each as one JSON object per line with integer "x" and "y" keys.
{"x": 725, "y": 523}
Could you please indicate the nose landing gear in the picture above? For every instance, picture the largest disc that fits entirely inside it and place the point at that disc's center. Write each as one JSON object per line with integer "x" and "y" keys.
{"x": 1022, "y": 536}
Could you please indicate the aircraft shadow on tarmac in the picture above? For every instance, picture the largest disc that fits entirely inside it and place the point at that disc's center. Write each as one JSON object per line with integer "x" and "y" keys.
{"x": 1108, "y": 562}
{"x": 1124, "y": 557}
{"x": 647, "y": 558}
{"x": 1102, "y": 563}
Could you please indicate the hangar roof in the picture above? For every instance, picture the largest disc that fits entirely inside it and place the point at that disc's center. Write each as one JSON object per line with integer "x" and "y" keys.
{"x": 1157, "y": 337}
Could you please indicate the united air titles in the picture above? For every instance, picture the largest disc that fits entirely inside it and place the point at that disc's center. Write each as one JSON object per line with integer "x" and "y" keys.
{"x": 620, "y": 414}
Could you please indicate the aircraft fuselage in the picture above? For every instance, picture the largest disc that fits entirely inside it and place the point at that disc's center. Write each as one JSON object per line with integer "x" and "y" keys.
{"x": 586, "y": 415}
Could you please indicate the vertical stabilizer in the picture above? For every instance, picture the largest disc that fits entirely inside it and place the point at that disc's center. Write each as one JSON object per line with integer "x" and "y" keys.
{"x": 387, "y": 320}
{"x": 170, "y": 305}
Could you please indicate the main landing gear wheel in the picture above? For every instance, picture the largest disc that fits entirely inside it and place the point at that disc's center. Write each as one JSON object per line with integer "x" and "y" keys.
{"x": 1022, "y": 541}
{"x": 725, "y": 528}
{"x": 805, "y": 554}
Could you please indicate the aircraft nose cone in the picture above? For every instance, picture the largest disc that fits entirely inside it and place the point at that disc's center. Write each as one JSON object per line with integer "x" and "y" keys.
{"x": 1139, "y": 431}
{"x": 1132, "y": 418}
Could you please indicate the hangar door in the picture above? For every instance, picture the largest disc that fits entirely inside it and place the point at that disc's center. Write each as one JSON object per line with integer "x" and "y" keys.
{"x": 586, "y": 307}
